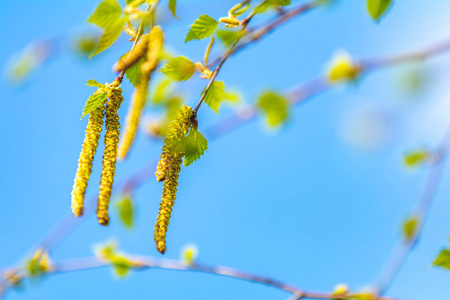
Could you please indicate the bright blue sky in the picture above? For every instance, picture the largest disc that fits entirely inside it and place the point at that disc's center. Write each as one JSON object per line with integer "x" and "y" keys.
{"x": 302, "y": 204}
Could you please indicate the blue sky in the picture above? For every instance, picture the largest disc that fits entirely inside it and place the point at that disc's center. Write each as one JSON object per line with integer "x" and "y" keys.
{"x": 305, "y": 204}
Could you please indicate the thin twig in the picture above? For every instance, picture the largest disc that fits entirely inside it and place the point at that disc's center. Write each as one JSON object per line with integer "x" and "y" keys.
{"x": 140, "y": 262}
{"x": 404, "y": 246}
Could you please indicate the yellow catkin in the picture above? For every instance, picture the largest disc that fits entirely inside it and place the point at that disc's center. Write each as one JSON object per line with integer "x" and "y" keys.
{"x": 155, "y": 46}
{"x": 129, "y": 59}
{"x": 133, "y": 116}
{"x": 170, "y": 165}
{"x": 109, "y": 155}
{"x": 90, "y": 144}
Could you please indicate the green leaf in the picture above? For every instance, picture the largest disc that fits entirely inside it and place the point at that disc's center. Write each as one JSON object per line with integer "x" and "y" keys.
{"x": 228, "y": 36}
{"x": 106, "y": 14}
{"x": 93, "y": 82}
{"x": 194, "y": 146}
{"x": 377, "y": 8}
{"x": 443, "y": 259}
{"x": 275, "y": 107}
{"x": 179, "y": 68}
{"x": 410, "y": 227}
{"x": 203, "y": 27}
{"x": 172, "y": 7}
{"x": 39, "y": 264}
{"x": 267, "y": 4}
{"x": 162, "y": 90}
{"x": 109, "y": 36}
{"x": 121, "y": 265}
{"x": 133, "y": 73}
{"x": 94, "y": 101}
{"x": 416, "y": 158}
{"x": 126, "y": 211}
{"x": 215, "y": 95}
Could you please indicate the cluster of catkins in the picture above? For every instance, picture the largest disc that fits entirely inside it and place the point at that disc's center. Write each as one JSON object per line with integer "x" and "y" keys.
{"x": 109, "y": 107}
{"x": 147, "y": 49}
{"x": 168, "y": 170}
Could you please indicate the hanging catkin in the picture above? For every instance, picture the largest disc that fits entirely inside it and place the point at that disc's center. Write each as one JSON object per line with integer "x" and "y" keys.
{"x": 90, "y": 144}
{"x": 109, "y": 154}
{"x": 129, "y": 59}
{"x": 169, "y": 168}
{"x": 155, "y": 46}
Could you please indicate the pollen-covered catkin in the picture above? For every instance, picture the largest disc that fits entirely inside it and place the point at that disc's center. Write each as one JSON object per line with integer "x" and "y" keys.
{"x": 169, "y": 167}
{"x": 90, "y": 144}
{"x": 109, "y": 155}
{"x": 129, "y": 59}
{"x": 133, "y": 116}
{"x": 155, "y": 46}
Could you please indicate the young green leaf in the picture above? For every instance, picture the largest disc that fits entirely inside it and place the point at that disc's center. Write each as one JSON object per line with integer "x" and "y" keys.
{"x": 93, "y": 82}
{"x": 416, "y": 158}
{"x": 377, "y": 8}
{"x": 133, "y": 73}
{"x": 94, "y": 101}
{"x": 275, "y": 107}
{"x": 106, "y": 14}
{"x": 203, "y": 27}
{"x": 443, "y": 259}
{"x": 189, "y": 254}
{"x": 173, "y": 7}
{"x": 109, "y": 36}
{"x": 194, "y": 145}
{"x": 121, "y": 265}
{"x": 410, "y": 227}
{"x": 228, "y": 36}
{"x": 179, "y": 68}
{"x": 267, "y": 4}
{"x": 342, "y": 68}
{"x": 126, "y": 211}
{"x": 215, "y": 95}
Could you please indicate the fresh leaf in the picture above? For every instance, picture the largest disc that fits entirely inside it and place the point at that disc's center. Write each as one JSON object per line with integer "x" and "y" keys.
{"x": 215, "y": 95}
{"x": 126, "y": 211}
{"x": 93, "y": 82}
{"x": 94, "y": 101}
{"x": 203, "y": 27}
{"x": 267, "y": 4}
{"x": 39, "y": 264}
{"x": 443, "y": 259}
{"x": 106, "y": 14}
{"x": 133, "y": 73}
{"x": 189, "y": 254}
{"x": 228, "y": 36}
{"x": 121, "y": 265}
{"x": 162, "y": 90}
{"x": 377, "y": 8}
{"x": 416, "y": 158}
{"x": 410, "y": 227}
{"x": 342, "y": 68}
{"x": 194, "y": 146}
{"x": 109, "y": 36}
{"x": 172, "y": 7}
{"x": 275, "y": 106}
{"x": 179, "y": 68}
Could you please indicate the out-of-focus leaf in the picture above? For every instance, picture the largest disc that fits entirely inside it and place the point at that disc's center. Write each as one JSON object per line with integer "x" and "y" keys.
{"x": 342, "y": 69}
{"x": 106, "y": 14}
{"x": 39, "y": 264}
{"x": 410, "y": 227}
{"x": 126, "y": 211}
{"x": 416, "y": 158}
{"x": 173, "y": 7}
{"x": 133, "y": 73}
{"x": 189, "y": 254}
{"x": 377, "y": 8}
{"x": 228, "y": 36}
{"x": 109, "y": 36}
{"x": 275, "y": 106}
{"x": 443, "y": 259}
{"x": 265, "y": 5}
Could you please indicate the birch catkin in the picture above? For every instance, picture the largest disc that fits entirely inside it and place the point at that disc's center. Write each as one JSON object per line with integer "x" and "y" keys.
{"x": 154, "y": 48}
{"x": 169, "y": 168}
{"x": 90, "y": 144}
{"x": 129, "y": 59}
{"x": 109, "y": 155}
